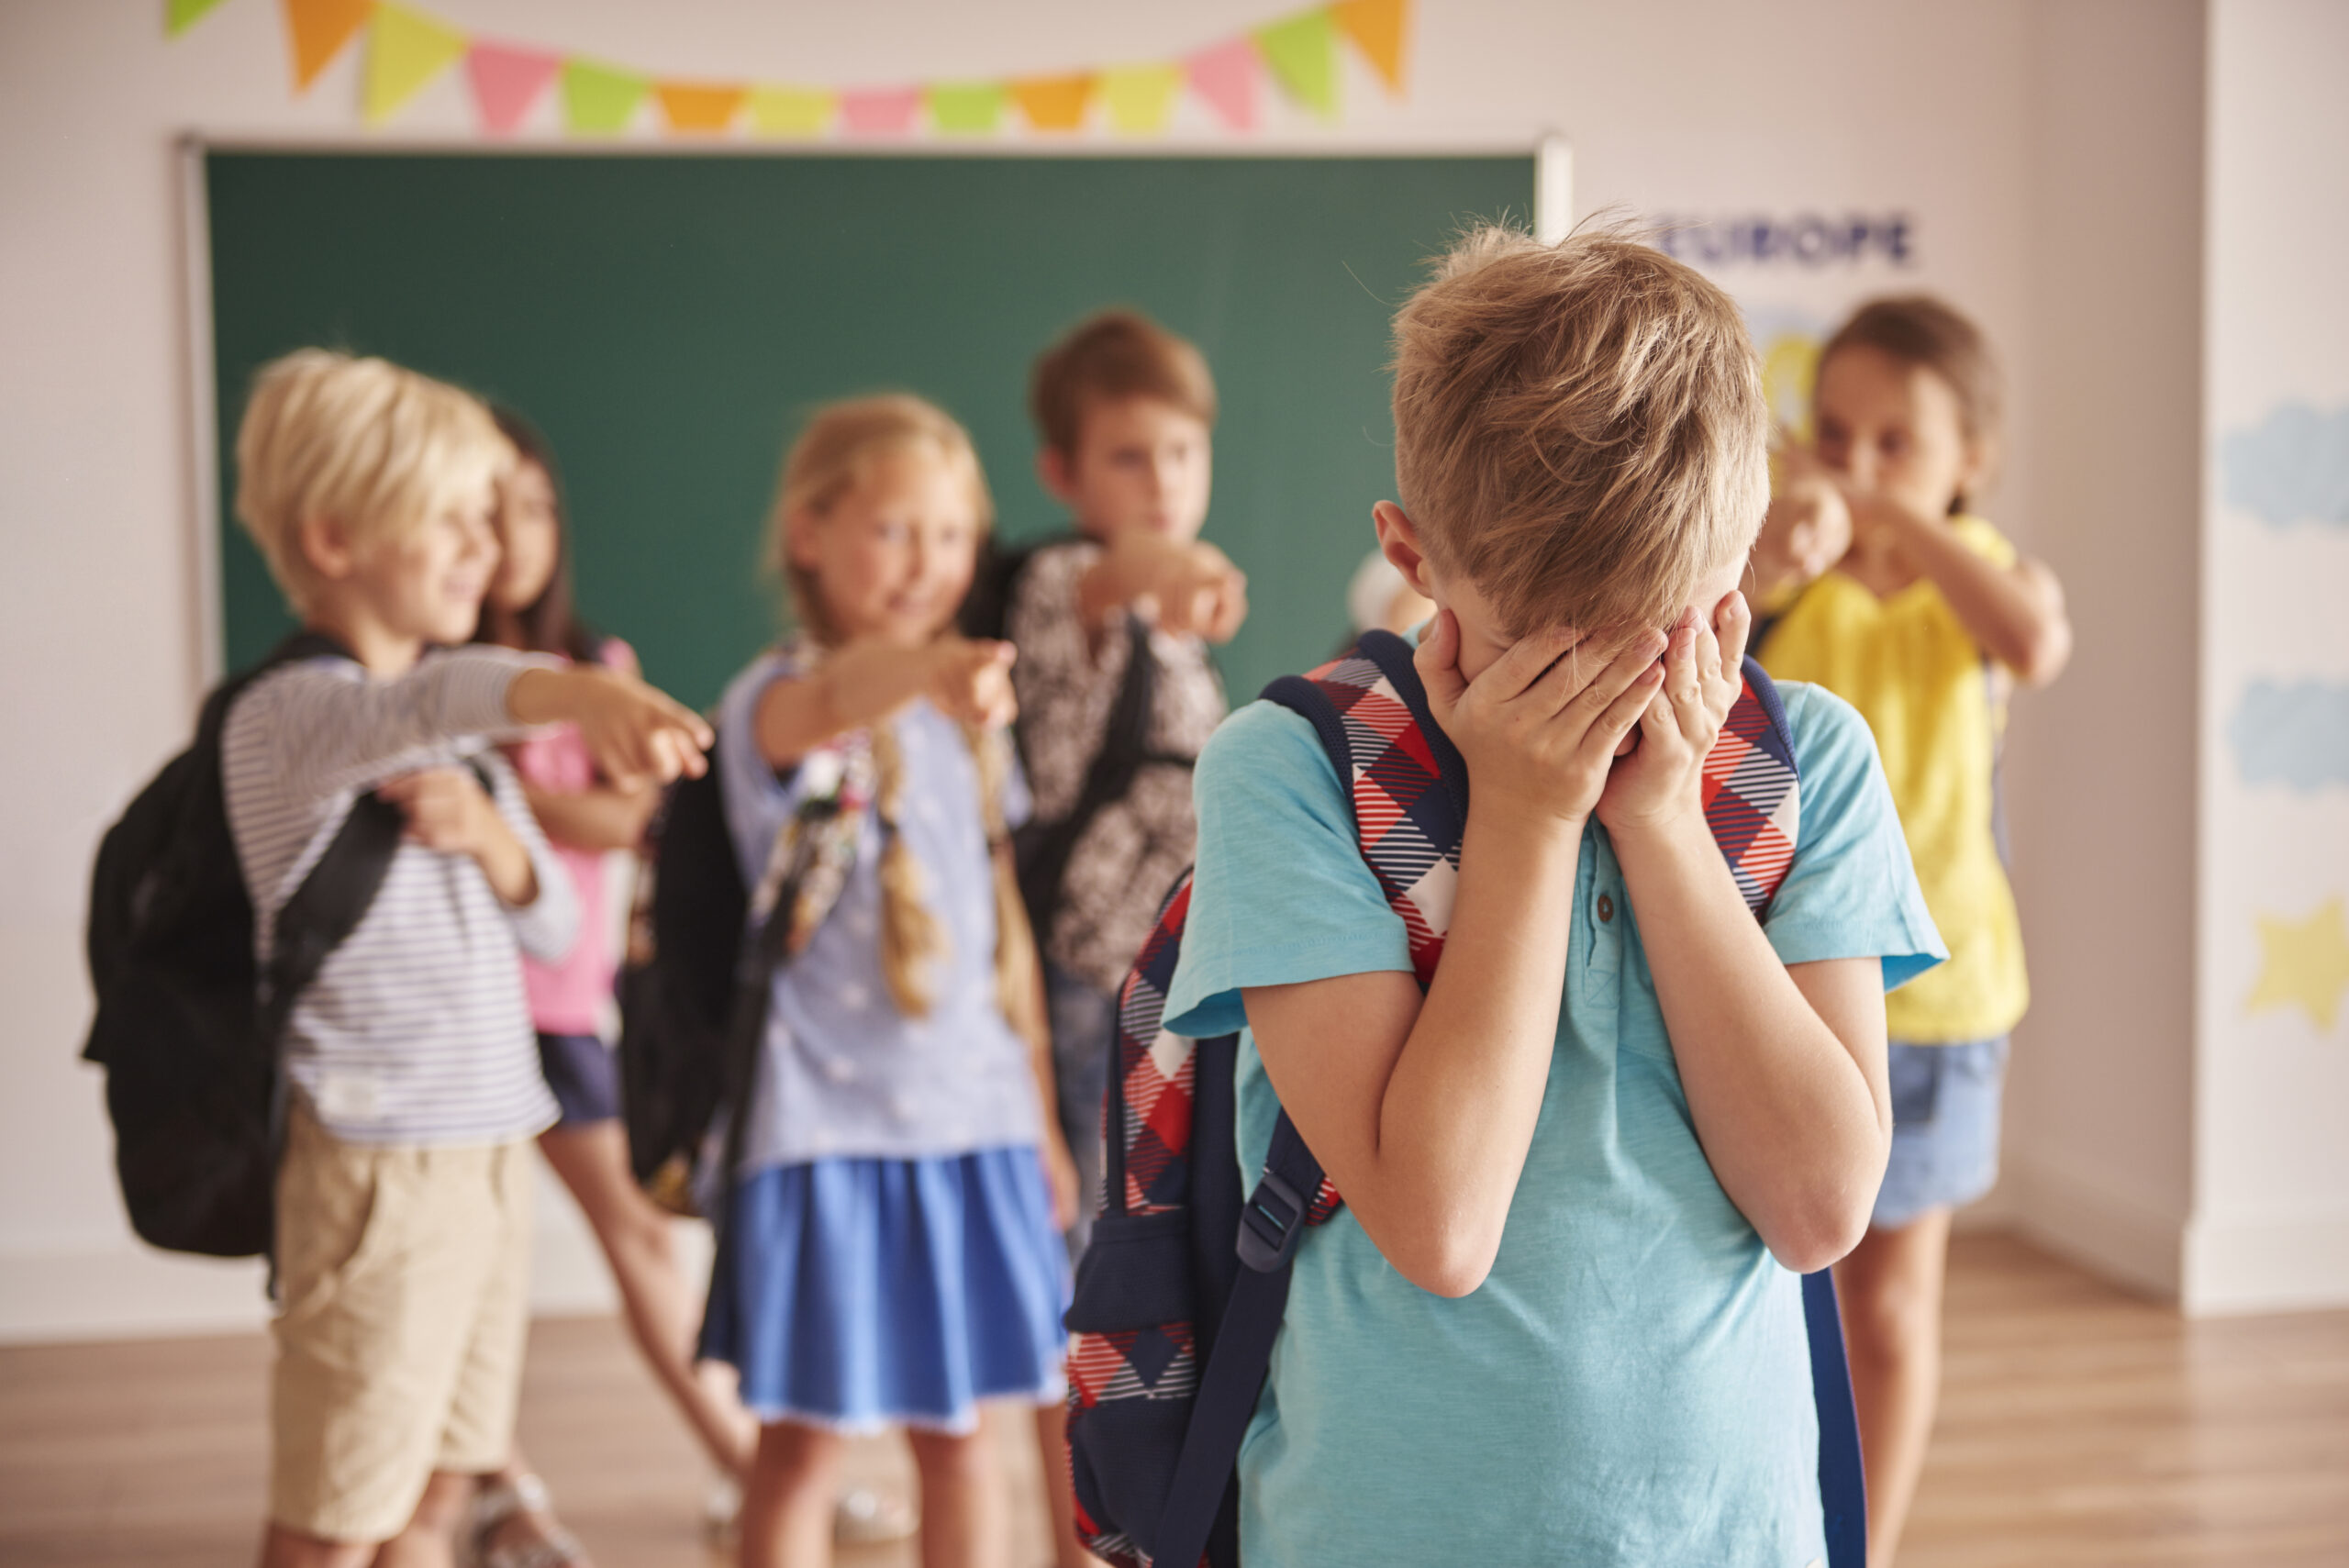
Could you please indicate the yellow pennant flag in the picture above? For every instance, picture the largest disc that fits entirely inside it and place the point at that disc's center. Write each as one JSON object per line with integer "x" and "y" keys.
{"x": 790, "y": 111}
{"x": 1140, "y": 98}
{"x": 317, "y": 29}
{"x": 1376, "y": 26}
{"x": 405, "y": 49}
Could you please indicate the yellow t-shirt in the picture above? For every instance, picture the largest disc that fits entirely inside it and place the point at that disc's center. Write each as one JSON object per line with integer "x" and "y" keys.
{"x": 1924, "y": 685}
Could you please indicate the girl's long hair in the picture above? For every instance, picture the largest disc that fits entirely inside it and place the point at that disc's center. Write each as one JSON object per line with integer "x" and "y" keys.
{"x": 827, "y": 461}
{"x": 550, "y": 623}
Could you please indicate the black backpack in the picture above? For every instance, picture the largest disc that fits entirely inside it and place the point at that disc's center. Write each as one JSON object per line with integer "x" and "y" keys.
{"x": 693, "y": 988}
{"x": 1041, "y": 850}
{"x": 188, "y": 1030}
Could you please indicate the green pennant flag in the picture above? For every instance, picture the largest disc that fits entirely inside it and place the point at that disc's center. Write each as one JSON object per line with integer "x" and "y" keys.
{"x": 600, "y": 99}
{"x": 970, "y": 108}
{"x": 181, "y": 15}
{"x": 1302, "y": 53}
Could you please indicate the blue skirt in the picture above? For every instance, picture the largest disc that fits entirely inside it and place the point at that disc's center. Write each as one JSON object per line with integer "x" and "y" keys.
{"x": 858, "y": 1295}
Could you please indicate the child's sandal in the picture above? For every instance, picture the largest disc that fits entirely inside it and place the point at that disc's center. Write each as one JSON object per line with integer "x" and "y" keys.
{"x": 499, "y": 1503}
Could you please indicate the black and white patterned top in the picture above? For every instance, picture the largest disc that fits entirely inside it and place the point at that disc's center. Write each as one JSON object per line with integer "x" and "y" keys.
{"x": 1067, "y": 683}
{"x": 417, "y": 1030}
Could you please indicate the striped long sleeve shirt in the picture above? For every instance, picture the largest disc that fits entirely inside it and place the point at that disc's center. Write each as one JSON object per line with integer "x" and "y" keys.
{"x": 417, "y": 1030}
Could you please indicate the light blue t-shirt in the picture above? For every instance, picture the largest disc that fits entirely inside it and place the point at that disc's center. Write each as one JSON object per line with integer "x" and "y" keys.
{"x": 843, "y": 1073}
{"x": 1631, "y": 1386}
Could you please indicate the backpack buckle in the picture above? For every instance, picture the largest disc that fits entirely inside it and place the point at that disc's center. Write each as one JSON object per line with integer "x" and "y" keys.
{"x": 1271, "y": 1225}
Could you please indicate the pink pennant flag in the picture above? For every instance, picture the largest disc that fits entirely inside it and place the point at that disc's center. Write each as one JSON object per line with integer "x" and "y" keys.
{"x": 1226, "y": 77}
{"x": 880, "y": 111}
{"x": 506, "y": 83}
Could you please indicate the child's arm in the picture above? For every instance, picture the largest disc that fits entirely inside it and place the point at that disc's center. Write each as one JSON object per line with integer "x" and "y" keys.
{"x": 448, "y": 811}
{"x": 633, "y": 732}
{"x": 1805, "y": 533}
{"x": 1783, "y": 1067}
{"x": 1191, "y": 587}
{"x": 605, "y": 817}
{"x": 1421, "y": 1109}
{"x": 969, "y": 680}
{"x": 2016, "y": 613}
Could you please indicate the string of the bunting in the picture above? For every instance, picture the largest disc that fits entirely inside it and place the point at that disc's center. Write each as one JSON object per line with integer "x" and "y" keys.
{"x": 408, "y": 49}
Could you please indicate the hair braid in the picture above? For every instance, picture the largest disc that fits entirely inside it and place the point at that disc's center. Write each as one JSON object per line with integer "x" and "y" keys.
{"x": 911, "y": 935}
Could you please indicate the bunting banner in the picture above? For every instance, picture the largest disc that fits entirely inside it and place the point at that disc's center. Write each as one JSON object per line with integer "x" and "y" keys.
{"x": 408, "y": 49}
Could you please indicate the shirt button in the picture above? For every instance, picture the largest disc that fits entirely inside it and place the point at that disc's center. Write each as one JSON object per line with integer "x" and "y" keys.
{"x": 1606, "y": 907}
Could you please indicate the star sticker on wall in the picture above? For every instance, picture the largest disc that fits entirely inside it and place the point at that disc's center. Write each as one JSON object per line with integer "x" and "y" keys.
{"x": 2307, "y": 963}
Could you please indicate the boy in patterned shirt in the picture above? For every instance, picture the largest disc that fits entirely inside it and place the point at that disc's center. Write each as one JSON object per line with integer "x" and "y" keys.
{"x": 1116, "y": 692}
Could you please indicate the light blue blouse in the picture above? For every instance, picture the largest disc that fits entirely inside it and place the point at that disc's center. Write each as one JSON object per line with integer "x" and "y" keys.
{"x": 844, "y": 1073}
{"x": 1630, "y": 1385}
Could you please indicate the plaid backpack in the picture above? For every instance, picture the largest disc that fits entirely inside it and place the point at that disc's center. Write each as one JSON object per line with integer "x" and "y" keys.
{"x": 1173, "y": 1323}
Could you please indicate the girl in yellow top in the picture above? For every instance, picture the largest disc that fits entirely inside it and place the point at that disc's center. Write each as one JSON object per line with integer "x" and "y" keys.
{"x": 1893, "y": 596}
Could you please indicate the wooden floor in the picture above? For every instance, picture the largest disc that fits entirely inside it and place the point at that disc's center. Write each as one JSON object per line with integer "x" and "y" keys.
{"x": 2079, "y": 1427}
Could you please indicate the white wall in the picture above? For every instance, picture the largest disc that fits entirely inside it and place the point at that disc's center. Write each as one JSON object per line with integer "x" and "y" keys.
{"x": 2102, "y": 770}
{"x": 1822, "y": 104}
{"x": 2271, "y": 1227}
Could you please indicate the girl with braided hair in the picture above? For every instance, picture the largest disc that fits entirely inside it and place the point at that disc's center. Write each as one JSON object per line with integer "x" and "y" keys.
{"x": 894, "y": 1252}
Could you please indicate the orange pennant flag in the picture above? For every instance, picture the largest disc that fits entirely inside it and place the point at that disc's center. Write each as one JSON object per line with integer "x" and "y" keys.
{"x": 699, "y": 105}
{"x": 1376, "y": 26}
{"x": 318, "y": 30}
{"x": 1054, "y": 103}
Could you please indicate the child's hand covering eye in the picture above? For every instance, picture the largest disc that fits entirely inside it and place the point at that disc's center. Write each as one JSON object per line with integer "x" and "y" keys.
{"x": 1539, "y": 727}
{"x": 1704, "y": 669}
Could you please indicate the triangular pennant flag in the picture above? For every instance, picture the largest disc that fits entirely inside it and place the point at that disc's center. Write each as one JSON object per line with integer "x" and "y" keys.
{"x": 1054, "y": 103}
{"x": 405, "y": 49}
{"x": 1376, "y": 26}
{"x": 881, "y": 111}
{"x": 317, "y": 29}
{"x": 1140, "y": 98}
{"x": 790, "y": 111}
{"x": 1226, "y": 77}
{"x": 507, "y": 83}
{"x": 600, "y": 98}
{"x": 1301, "y": 51}
{"x": 699, "y": 106}
{"x": 181, "y": 15}
{"x": 965, "y": 108}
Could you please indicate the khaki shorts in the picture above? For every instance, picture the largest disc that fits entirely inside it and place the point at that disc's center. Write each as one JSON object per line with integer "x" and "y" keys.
{"x": 405, "y": 1274}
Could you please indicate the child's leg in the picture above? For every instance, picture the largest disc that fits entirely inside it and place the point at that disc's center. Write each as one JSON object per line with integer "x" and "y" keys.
{"x": 1891, "y": 1292}
{"x": 1051, "y": 1442}
{"x": 963, "y": 1516}
{"x": 592, "y": 1160}
{"x": 284, "y": 1548}
{"x": 788, "y": 1504}
{"x": 430, "y": 1538}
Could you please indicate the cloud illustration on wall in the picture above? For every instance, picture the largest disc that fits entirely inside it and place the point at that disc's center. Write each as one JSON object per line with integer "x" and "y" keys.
{"x": 2295, "y": 734}
{"x": 2292, "y": 467}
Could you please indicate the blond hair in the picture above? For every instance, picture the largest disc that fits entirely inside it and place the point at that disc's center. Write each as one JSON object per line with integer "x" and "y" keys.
{"x": 1111, "y": 356}
{"x": 1579, "y": 427}
{"x": 832, "y": 457}
{"x": 374, "y": 447}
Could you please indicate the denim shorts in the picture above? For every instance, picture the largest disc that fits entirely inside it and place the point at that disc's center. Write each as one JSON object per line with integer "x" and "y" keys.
{"x": 584, "y": 1075}
{"x": 1944, "y": 1128}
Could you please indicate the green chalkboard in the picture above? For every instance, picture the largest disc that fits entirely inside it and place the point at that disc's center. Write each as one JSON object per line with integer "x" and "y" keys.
{"x": 669, "y": 320}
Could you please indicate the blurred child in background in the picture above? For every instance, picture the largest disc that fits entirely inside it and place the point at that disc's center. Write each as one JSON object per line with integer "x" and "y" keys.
{"x": 403, "y": 1219}
{"x": 891, "y": 1255}
{"x": 1116, "y": 692}
{"x": 1878, "y": 581}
